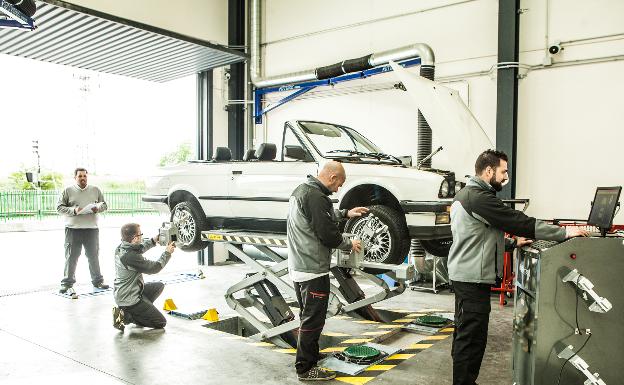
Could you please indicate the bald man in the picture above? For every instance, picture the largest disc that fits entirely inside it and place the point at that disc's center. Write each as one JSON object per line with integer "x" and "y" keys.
{"x": 312, "y": 233}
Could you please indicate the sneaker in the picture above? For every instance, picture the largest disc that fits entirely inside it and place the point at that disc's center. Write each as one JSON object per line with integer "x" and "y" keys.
{"x": 101, "y": 286}
{"x": 316, "y": 374}
{"x": 64, "y": 289}
{"x": 118, "y": 318}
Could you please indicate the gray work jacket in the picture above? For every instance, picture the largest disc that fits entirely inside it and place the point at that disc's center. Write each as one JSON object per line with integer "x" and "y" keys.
{"x": 312, "y": 229}
{"x": 479, "y": 221}
{"x": 129, "y": 268}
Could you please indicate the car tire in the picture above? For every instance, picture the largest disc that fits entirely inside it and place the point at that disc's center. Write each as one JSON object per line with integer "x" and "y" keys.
{"x": 28, "y": 7}
{"x": 190, "y": 220}
{"x": 437, "y": 247}
{"x": 391, "y": 243}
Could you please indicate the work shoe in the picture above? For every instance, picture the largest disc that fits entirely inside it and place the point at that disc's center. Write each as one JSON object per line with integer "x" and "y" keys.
{"x": 118, "y": 318}
{"x": 64, "y": 289}
{"x": 316, "y": 374}
{"x": 101, "y": 286}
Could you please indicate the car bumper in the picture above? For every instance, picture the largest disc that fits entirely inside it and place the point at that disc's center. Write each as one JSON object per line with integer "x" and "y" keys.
{"x": 154, "y": 198}
{"x": 430, "y": 232}
{"x": 428, "y": 220}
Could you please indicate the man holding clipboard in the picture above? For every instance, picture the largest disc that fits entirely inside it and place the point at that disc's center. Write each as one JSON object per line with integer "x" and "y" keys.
{"x": 80, "y": 204}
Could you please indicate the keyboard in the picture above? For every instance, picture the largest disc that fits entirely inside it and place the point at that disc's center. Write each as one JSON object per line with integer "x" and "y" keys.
{"x": 543, "y": 245}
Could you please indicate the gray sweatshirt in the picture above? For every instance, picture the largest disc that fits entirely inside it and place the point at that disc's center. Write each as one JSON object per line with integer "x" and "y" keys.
{"x": 73, "y": 197}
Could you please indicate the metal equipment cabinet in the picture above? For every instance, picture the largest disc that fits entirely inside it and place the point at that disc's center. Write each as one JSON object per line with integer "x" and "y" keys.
{"x": 548, "y": 306}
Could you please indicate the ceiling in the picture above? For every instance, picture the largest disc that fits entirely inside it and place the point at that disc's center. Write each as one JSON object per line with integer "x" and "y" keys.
{"x": 79, "y": 37}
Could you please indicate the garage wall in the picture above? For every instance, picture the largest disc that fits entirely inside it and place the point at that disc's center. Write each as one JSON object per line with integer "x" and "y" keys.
{"x": 201, "y": 19}
{"x": 570, "y": 113}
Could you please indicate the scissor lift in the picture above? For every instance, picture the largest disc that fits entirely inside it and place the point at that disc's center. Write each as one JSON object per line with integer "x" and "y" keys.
{"x": 264, "y": 288}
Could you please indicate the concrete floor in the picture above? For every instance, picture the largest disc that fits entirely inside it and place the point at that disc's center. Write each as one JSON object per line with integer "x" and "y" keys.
{"x": 45, "y": 337}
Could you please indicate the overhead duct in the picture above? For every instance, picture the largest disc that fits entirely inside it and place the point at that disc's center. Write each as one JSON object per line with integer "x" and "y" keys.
{"x": 420, "y": 50}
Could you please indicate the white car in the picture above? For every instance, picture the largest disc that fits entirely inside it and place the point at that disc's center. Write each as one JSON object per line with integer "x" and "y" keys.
{"x": 405, "y": 202}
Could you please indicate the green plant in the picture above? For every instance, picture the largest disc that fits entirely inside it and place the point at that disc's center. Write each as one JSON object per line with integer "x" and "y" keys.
{"x": 181, "y": 154}
{"x": 48, "y": 180}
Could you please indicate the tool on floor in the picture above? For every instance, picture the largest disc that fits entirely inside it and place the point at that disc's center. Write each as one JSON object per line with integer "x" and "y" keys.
{"x": 169, "y": 305}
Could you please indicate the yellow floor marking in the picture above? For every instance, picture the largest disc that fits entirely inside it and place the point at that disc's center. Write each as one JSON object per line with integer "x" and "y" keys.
{"x": 357, "y": 341}
{"x": 389, "y": 326}
{"x": 379, "y": 333}
{"x": 366, "y": 322}
{"x": 285, "y": 350}
{"x": 400, "y": 356}
{"x": 261, "y": 344}
{"x": 342, "y": 317}
{"x": 355, "y": 380}
{"x": 414, "y": 315}
{"x": 403, "y": 320}
{"x": 420, "y": 346}
{"x": 333, "y": 349}
{"x": 448, "y": 330}
{"x": 441, "y": 337}
{"x": 334, "y": 334}
{"x": 380, "y": 367}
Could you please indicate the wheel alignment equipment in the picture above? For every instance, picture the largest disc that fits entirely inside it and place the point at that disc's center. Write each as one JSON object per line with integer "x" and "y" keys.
{"x": 269, "y": 282}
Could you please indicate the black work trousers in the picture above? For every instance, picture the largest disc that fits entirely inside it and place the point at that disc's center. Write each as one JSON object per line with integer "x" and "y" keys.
{"x": 472, "y": 315}
{"x": 313, "y": 298}
{"x": 75, "y": 240}
{"x": 144, "y": 313}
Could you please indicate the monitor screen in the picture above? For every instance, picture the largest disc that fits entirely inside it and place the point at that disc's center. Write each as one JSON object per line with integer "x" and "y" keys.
{"x": 603, "y": 207}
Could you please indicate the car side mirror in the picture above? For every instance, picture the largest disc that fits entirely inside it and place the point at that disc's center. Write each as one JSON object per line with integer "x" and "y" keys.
{"x": 295, "y": 152}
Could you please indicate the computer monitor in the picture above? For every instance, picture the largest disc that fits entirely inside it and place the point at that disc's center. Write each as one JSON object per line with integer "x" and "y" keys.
{"x": 603, "y": 207}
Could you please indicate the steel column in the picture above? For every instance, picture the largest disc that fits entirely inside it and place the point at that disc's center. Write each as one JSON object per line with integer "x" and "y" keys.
{"x": 205, "y": 119}
{"x": 507, "y": 87}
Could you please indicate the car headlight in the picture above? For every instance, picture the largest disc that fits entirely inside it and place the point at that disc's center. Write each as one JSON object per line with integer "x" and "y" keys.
{"x": 444, "y": 189}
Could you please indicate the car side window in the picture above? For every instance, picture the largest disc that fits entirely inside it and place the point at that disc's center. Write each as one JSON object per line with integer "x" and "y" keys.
{"x": 291, "y": 140}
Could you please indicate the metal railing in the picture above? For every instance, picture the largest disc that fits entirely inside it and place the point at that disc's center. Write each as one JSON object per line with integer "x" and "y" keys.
{"x": 37, "y": 204}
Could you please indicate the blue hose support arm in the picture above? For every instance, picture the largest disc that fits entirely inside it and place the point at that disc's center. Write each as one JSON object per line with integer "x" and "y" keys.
{"x": 16, "y": 18}
{"x": 301, "y": 88}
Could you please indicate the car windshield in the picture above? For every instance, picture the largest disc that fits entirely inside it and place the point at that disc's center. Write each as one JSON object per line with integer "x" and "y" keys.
{"x": 330, "y": 139}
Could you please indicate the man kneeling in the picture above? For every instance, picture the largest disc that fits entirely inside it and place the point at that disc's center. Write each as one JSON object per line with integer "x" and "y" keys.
{"x": 134, "y": 298}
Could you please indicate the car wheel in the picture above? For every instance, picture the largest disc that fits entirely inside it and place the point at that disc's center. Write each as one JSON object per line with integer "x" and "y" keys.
{"x": 190, "y": 220}
{"x": 384, "y": 236}
{"x": 437, "y": 247}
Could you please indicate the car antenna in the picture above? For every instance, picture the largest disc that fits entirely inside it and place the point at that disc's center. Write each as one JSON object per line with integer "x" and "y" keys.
{"x": 429, "y": 156}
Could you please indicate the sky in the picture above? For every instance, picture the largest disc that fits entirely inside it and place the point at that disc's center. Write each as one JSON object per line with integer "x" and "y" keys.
{"x": 110, "y": 124}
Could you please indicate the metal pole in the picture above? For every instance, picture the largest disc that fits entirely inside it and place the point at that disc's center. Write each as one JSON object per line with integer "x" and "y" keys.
{"x": 507, "y": 87}
{"x": 205, "y": 140}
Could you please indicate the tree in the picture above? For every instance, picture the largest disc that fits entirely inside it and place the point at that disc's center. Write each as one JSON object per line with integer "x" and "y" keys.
{"x": 49, "y": 180}
{"x": 181, "y": 154}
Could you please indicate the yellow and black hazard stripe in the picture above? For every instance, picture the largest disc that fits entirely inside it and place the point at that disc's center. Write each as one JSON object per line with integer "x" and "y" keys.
{"x": 395, "y": 359}
{"x": 245, "y": 239}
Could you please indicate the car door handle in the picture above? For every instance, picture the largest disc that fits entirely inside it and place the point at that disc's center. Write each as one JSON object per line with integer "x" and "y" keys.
{"x": 236, "y": 172}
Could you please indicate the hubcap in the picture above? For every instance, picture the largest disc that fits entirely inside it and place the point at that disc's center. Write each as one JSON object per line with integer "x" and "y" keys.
{"x": 185, "y": 223}
{"x": 375, "y": 238}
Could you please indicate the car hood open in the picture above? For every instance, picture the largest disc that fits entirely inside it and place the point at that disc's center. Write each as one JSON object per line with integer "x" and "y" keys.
{"x": 452, "y": 123}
